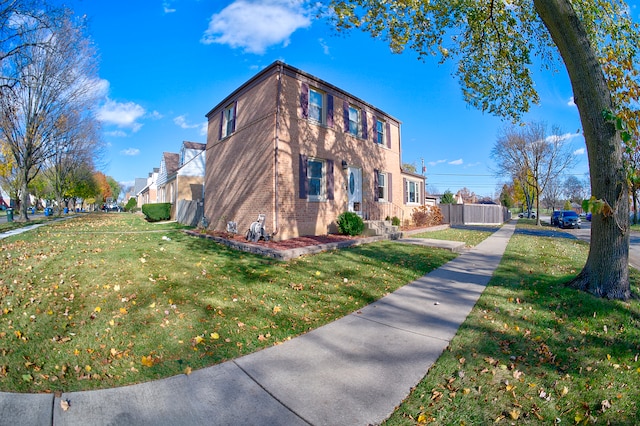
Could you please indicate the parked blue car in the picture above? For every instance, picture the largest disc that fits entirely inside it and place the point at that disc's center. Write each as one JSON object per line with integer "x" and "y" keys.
{"x": 569, "y": 219}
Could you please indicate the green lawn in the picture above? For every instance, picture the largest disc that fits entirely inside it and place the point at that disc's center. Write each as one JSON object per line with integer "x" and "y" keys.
{"x": 106, "y": 300}
{"x": 471, "y": 235}
{"x": 533, "y": 351}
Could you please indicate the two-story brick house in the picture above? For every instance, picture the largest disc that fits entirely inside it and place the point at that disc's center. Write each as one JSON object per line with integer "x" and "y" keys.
{"x": 302, "y": 151}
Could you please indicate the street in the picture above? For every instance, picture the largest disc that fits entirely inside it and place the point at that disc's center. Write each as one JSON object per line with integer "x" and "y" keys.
{"x": 584, "y": 233}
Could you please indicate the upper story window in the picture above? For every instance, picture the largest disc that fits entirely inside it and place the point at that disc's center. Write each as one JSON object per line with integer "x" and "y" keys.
{"x": 228, "y": 123}
{"x": 354, "y": 120}
{"x": 380, "y": 132}
{"x": 316, "y": 105}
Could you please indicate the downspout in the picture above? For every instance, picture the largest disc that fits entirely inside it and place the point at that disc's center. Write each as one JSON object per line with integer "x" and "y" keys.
{"x": 275, "y": 155}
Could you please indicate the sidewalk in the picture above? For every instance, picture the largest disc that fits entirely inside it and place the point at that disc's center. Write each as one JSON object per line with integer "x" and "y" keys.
{"x": 354, "y": 371}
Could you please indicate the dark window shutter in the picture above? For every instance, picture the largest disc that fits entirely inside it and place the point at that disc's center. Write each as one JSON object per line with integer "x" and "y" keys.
{"x": 345, "y": 108}
{"x": 390, "y": 187}
{"x": 388, "y": 135}
{"x": 329, "y": 179}
{"x": 302, "y": 175}
{"x": 374, "y": 129}
{"x": 235, "y": 115}
{"x": 375, "y": 185}
{"x": 365, "y": 133}
{"x": 304, "y": 100}
{"x": 329, "y": 111}
{"x": 221, "y": 123}
{"x": 404, "y": 190}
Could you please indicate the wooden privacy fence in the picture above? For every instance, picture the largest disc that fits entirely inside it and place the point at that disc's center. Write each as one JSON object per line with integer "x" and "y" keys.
{"x": 189, "y": 212}
{"x": 474, "y": 214}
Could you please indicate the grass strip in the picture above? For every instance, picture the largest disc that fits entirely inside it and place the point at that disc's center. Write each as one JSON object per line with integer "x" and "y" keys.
{"x": 533, "y": 351}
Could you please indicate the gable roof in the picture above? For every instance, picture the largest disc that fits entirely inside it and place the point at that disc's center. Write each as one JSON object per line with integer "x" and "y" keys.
{"x": 194, "y": 145}
{"x": 171, "y": 162}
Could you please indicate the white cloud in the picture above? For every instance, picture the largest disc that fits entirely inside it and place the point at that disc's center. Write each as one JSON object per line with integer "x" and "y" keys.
{"x": 456, "y": 162}
{"x": 155, "y": 115}
{"x": 167, "y": 7}
{"x": 130, "y": 152}
{"x": 324, "y": 45}
{"x": 435, "y": 163}
{"x": 255, "y": 25}
{"x": 563, "y": 137}
{"x": 579, "y": 151}
{"x": 571, "y": 102}
{"x": 204, "y": 128}
{"x": 181, "y": 121}
{"x": 117, "y": 134}
{"x": 124, "y": 115}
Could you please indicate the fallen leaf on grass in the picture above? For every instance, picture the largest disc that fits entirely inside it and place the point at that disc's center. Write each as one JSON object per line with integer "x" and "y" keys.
{"x": 147, "y": 361}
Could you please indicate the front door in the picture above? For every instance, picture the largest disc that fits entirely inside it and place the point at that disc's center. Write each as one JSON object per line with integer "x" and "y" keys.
{"x": 354, "y": 189}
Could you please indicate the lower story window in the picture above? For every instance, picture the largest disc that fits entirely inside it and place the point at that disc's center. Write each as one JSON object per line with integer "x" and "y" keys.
{"x": 413, "y": 192}
{"x": 382, "y": 187}
{"x": 316, "y": 179}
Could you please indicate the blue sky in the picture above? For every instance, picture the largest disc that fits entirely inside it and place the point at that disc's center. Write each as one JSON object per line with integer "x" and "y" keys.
{"x": 165, "y": 64}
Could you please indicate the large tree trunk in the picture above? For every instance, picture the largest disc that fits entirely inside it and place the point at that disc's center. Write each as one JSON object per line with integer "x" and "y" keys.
{"x": 24, "y": 197}
{"x": 606, "y": 273}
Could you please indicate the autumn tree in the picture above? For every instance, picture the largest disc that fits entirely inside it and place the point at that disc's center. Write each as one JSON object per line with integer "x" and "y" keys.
{"x": 506, "y": 196}
{"x": 632, "y": 167}
{"x": 527, "y": 154}
{"x": 468, "y": 196}
{"x": 575, "y": 190}
{"x": 494, "y": 43}
{"x": 551, "y": 194}
{"x": 78, "y": 145}
{"x": 55, "y": 74}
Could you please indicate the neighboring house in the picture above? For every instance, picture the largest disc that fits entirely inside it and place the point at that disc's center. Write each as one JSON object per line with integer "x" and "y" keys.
{"x": 302, "y": 151}
{"x": 138, "y": 186}
{"x": 167, "y": 177}
{"x": 190, "y": 175}
{"x": 181, "y": 176}
{"x": 149, "y": 194}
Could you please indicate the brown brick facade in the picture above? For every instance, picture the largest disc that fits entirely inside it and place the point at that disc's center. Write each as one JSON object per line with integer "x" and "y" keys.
{"x": 272, "y": 133}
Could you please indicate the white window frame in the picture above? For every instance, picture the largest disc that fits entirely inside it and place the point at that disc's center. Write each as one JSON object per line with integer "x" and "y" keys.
{"x": 383, "y": 183}
{"x": 355, "y": 123}
{"x": 380, "y": 132}
{"x": 322, "y": 196}
{"x": 228, "y": 120}
{"x": 416, "y": 187}
{"x": 322, "y": 107}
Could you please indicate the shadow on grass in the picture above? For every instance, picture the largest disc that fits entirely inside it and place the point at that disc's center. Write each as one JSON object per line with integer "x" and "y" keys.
{"x": 536, "y": 350}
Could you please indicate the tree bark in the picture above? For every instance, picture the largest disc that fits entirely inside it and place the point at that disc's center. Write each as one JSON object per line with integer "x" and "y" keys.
{"x": 606, "y": 273}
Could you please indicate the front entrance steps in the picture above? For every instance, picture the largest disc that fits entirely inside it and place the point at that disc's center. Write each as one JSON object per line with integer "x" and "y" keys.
{"x": 381, "y": 227}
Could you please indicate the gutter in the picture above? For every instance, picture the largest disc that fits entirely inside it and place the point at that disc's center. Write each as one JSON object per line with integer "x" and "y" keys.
{"x": 276, "y": 152}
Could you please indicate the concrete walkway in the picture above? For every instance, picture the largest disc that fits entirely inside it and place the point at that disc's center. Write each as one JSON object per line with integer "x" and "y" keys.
{"x": 354, "y": 371}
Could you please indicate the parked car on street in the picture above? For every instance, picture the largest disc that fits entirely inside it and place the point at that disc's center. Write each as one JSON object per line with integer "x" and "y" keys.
{"x": 554, "y": 217}
{"x": 569, "y": 219}
{"x": 528, "y": 214}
